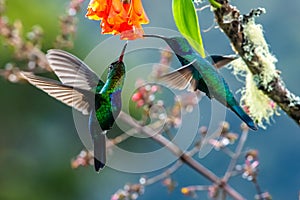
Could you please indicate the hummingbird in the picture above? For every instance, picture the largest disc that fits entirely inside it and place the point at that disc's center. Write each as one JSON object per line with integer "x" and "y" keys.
{"x": 198, "y": 73}
{"x": 82, "y": 89}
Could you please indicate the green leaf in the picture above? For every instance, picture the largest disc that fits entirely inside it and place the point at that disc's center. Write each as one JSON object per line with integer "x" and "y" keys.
{"x": 186, "y": 20}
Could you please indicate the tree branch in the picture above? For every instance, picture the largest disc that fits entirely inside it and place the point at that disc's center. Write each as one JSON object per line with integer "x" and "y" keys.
{"x": 187, "y": 159}
{"x": 231, "y": 22}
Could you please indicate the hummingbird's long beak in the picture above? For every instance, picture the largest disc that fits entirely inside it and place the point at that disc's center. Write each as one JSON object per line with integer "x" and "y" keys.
{"x": 155, "y": 36}
{"x": 123, "y": 52}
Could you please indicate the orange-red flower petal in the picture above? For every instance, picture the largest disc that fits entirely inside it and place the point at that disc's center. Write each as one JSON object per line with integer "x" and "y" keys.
{"x": 137, "y": 13}
{"x": 97, "y": 9}
{"x": 117, "y": 13}
{"x": 119, "y": 17}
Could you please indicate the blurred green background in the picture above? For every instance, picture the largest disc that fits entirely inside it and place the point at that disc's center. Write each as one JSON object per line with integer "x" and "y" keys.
{"x": 38, "y": 137}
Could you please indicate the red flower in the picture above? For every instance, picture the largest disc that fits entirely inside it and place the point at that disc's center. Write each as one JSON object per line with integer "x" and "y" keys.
{"x": 122, "y": 17}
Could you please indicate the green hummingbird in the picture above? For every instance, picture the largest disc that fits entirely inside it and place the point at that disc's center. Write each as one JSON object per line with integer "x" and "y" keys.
{"x": 198, "y": 73}
{"x": 82, "y": 89}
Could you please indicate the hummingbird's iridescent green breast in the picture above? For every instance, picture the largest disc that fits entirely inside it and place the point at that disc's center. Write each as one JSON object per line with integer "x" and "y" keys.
{"x": 108, "y": 101}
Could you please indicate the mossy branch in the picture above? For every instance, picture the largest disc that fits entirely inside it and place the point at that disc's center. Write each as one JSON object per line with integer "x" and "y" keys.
{"x": 232, "y": 23}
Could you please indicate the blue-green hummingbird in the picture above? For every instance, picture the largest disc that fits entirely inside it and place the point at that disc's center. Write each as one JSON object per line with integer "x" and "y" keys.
{"x": 82, "y": 89}
{"x": 198, "y": 73}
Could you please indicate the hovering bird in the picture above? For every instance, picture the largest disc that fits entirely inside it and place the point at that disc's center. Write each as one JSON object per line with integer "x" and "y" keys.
{"x": 82, "y": 89}
{"x": 197, "y": 73}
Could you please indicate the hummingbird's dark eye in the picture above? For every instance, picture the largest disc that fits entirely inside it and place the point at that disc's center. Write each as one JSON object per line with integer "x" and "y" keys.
{"x": 110, "y": 67}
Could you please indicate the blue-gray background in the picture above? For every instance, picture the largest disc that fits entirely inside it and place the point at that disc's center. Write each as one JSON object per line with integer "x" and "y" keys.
{"x": 38, "y": 136}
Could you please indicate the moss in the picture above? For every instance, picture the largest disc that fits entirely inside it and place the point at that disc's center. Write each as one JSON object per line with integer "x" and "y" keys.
{"x": 260, "y": 107}
{"x": 254, "y": 34}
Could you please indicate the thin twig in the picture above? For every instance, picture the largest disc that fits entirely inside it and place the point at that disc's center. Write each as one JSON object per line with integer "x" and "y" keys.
{"x": 131, "y": 132}
{"x": 258, "y": 189}
{"x": 228, "y": 152}
{"x": 171, "y": 170}
{"x": 198, "y": 187}
{"x": 223, "y": 195}
{"x": 165, "y": 174}
{"x": 121, "y": 138}
{"x": 236, "y": 155}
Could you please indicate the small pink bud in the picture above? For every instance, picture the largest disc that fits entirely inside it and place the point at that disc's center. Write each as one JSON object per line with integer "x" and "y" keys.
{"x": 115, "y": 197}
{"x": 272, "y": 104}
{"x": 154, "y": 88}
{"x": 136, "y": 96}
{"x": 142, "y": 90}
{"x": 246, "y": 109}
{"x": 255, "y": 164}
{"x": 140, "y": 103}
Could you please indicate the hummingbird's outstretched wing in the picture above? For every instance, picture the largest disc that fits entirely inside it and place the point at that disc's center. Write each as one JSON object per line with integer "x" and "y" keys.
{"x": 74, "y": 97}
{"x": 72, "y": 71}
{"x": 180, "y": 78}
{"x": 183, "y": 77}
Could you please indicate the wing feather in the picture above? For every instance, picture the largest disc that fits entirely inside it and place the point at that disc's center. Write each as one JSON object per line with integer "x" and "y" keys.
{"x": 181, "y": 78}
{"x": 76, "y": 98}
{"x": 72, "y": 71}
{"x": 221, "y": 60}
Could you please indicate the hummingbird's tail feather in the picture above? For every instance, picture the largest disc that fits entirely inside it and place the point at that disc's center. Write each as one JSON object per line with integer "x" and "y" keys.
{"x": 241, "y": 113}
{"x": 99, "y": 152}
